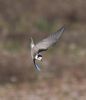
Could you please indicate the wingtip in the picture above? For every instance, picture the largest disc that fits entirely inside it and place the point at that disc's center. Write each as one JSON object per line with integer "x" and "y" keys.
{"x": 31, "y": 39}
{"x": 62, "y": 28}
{"x": 32, "y": 43}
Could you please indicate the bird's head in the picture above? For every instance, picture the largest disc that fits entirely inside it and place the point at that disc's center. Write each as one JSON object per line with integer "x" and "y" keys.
{"x": 38, "y": 57}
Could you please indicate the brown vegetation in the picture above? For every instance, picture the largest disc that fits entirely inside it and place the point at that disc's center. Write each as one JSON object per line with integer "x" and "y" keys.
{"x": 63, "y": 71}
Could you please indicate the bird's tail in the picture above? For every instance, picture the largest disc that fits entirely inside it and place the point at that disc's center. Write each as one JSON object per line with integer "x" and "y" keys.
{"x": 36, "y": 65}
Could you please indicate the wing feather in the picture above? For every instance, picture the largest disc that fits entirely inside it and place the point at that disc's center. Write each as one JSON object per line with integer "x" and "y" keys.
{"x": 47, "y": 42}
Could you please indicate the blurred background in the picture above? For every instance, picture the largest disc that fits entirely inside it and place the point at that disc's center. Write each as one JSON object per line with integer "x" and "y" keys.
{"x": 63, "y": 71}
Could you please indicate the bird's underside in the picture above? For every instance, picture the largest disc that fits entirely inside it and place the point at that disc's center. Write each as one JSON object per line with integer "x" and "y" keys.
{"x": 45, "y": 44}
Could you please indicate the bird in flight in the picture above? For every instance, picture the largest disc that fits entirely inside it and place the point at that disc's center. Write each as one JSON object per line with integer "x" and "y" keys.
{"x": 43, "y": 45}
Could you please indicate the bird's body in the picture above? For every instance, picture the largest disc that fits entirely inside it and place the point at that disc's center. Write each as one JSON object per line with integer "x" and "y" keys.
{"x": 44, "y": 45}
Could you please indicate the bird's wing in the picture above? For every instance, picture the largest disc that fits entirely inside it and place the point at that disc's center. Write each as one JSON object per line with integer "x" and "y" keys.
{"x": 50, "y": 40}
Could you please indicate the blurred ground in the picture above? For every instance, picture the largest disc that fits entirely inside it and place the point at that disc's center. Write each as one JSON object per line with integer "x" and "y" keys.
{"x": 63, "y": 71}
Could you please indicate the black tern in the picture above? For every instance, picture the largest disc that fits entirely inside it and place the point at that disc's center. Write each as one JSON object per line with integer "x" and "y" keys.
{"x": 43, "y": 45}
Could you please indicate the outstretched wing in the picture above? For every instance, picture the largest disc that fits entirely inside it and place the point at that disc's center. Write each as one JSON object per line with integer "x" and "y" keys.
{"x": 47, "y": 42}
